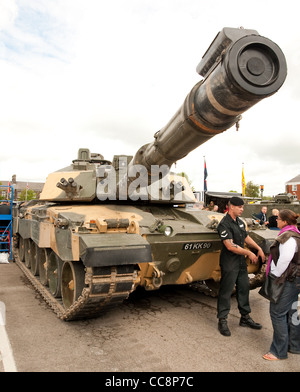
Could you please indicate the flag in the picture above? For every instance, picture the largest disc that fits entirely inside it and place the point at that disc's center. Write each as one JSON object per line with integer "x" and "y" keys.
{"x": 243, "y": 182}
{"x": 205, "y": 176}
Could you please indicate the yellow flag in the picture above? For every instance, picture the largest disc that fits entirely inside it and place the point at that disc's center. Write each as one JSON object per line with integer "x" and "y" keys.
{"x": 243, "y": 182}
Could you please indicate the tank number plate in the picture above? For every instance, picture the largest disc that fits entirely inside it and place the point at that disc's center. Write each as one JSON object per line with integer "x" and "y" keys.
{"x": 197, "y": 245}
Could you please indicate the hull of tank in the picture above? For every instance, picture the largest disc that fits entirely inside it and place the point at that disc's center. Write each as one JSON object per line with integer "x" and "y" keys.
{"x": 83, "y": 259}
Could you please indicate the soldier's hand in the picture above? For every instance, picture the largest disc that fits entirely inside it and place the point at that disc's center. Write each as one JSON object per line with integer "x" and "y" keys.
{"x": 253, "y": 258}
{"x": 261, "y": 254}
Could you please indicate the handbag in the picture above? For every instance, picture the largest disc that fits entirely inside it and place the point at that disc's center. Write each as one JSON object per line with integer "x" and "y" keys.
{"x": 271, "y": 288}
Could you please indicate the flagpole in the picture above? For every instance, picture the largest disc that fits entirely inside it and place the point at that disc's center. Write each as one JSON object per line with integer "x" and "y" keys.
{"x": 205, "y": 176}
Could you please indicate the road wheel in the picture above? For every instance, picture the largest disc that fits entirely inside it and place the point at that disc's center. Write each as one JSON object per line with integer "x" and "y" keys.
{"x": 42, "y": 257}
{"x": 21, "y": 250}
{"x": 54, "y": 274}
{"x": 27, "y": 252}
{"x": 72, "y": 282}
{"x": 33, "y": 258}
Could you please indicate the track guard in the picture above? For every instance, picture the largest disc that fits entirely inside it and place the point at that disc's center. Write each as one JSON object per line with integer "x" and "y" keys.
{"x": 99, "y": 250}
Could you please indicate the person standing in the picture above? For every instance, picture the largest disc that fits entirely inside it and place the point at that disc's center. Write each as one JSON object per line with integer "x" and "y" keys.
{"x": 284, "y": 262}
{"x": 232, "y": 232}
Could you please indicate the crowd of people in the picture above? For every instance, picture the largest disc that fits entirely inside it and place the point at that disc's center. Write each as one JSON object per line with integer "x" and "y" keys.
{"x": 270, "y": 222}
{"x": 210, "y": 207}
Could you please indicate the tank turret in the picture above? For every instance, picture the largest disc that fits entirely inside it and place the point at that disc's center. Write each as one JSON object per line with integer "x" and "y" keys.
{"x": 100, "y": 230}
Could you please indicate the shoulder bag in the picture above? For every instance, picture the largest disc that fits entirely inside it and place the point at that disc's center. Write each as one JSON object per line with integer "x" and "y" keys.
{"x": 271, "y": 288}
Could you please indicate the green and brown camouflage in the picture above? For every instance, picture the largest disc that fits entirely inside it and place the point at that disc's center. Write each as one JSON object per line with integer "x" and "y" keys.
{"x": 102, "y": 228}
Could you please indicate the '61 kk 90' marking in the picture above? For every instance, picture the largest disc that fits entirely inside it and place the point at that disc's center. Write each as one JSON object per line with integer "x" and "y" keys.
{"x": 197, "y": 245}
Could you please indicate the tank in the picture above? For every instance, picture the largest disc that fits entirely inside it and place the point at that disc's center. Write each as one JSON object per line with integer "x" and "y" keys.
{"x": 102, "y": 228}
{"x": 279, "y": 202}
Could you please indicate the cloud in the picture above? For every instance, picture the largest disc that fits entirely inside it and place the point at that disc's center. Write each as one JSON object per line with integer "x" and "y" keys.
{"x": 108, "y": 75}
{"x": 8, "y": 13}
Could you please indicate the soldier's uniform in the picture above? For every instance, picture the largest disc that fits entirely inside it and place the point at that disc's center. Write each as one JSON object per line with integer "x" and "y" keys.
{"x": 233, "y": 268}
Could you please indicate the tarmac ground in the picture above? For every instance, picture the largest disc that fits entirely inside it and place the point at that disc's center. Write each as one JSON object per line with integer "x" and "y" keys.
{"x": 171, "y": 330}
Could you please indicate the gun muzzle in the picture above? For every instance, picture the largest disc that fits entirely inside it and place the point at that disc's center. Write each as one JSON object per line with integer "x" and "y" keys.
{"x": 240, "y": 68}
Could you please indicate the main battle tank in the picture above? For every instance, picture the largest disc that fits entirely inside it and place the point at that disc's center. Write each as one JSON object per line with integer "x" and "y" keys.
{"x": 101, "y": 229}
{"x": 279, "y": 202}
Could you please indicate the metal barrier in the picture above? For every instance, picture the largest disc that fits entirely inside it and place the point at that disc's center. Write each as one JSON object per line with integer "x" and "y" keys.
{"x": 6, "y": 221}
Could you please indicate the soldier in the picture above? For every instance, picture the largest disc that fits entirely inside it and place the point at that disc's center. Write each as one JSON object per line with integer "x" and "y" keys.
{"x": 233, "y": 265}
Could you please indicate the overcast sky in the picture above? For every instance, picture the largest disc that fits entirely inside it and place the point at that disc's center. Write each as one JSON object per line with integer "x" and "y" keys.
{"x": 106, "y": 75}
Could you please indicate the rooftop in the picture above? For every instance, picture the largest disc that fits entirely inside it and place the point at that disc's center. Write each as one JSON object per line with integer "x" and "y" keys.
{"x": 295, "y": 179}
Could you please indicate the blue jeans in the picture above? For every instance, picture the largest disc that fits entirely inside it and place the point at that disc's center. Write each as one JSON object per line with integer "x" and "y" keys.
{"x": 286, "y": 323}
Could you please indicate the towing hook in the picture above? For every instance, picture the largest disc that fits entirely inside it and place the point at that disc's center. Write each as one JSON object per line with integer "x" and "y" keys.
{"x": 157, "y": 279}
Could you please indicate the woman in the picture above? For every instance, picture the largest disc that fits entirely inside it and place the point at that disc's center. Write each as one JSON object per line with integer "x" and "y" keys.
{"x": 284, "y": 262}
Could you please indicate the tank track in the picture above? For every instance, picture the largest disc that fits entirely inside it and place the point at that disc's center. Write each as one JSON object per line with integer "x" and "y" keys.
{"x": 106, "y": 287}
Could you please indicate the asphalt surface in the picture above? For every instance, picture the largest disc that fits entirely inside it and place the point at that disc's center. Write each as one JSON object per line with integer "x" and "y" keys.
{"x": 170, "y": 330}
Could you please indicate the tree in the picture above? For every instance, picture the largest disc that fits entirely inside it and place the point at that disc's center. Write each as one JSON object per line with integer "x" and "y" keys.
{"x": 183, "y": 174}
{"x": 252, "y": 190}
{"x": 30, "y": 195}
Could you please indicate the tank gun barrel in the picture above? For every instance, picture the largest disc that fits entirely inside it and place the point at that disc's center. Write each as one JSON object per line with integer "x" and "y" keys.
{"x": 239, "y": 69}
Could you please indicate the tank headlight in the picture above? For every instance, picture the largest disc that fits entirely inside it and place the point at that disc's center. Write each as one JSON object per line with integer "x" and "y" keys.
{"x": 166, "y": 230}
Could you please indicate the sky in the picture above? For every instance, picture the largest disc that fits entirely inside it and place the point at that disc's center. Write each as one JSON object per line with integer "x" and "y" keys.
{"x": 107, "y": 75}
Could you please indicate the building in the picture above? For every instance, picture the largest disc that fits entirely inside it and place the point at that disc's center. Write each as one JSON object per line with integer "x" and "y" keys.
{"x": 19, "y": 186}
{"x": 293, "y": 187}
